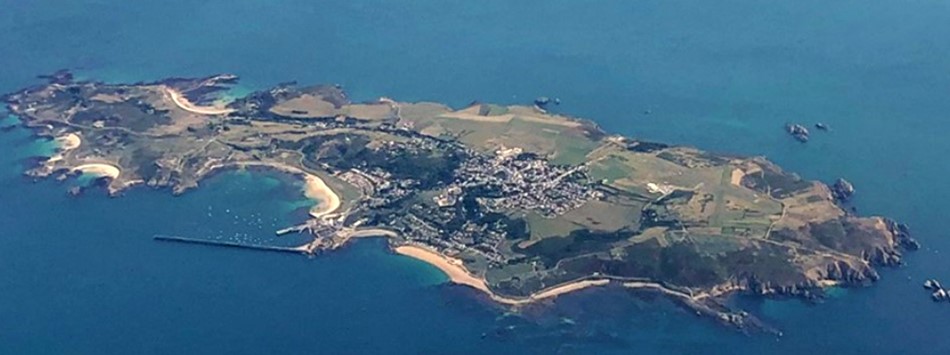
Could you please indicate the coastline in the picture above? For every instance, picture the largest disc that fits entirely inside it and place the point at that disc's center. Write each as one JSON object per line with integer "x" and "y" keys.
{"x": 458, "y": 274}
{"x": 329, "y": 234}
{"x": 314, "y": 187}
{"x": 99, "y": 169}
{"x": 68, "y": 142}
{"x": 64, "y": 144}
{"x": 182, "y": 102}
{"x": 699, "y": 303}
{"x": 72, "y": 141}
{"x": 452, "y": 267}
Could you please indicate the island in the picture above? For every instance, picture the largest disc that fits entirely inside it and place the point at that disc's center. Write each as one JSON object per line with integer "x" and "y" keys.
{"x": 516, "y": 202}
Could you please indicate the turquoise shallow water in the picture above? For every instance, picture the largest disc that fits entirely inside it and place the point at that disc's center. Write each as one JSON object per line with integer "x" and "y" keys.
{"x": 82, "y": 275}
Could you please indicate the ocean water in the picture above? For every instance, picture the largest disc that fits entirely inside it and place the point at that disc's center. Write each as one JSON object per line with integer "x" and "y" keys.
{"x": 82, "y": 275}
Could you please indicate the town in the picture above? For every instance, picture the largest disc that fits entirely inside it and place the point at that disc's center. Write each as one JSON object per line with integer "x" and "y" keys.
{"x": 461, "y": 203}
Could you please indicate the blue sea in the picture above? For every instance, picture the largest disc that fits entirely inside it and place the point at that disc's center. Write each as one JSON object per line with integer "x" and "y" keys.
{"x": 83, "y": 275}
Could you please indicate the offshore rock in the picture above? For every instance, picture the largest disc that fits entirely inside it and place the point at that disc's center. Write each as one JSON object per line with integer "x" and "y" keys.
{"x": 798, "y": 131}
{"x": 74, "y": 191}
{"x": 939, "y": 295}
{"x": 61, "y": 77}
{"x": 842, "y": 190}
{"x": 542, "y": 101}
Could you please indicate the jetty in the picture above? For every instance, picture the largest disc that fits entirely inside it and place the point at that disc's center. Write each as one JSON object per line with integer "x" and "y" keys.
{"x": 294, "y": 229}
{"x": 231, "y": 244}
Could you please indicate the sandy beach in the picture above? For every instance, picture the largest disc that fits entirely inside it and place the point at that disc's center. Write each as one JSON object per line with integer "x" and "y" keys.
{"x": 72, "y": 141}
{"x": 68, "y": 142}
{"x": 451, "y": 267}
{"x": 99, "y": 169}
{"x": 182, "y": 102}
{"x": 315, "y": 188}
{"x": 458, "y": 274}
{"x": 64, "y": 144}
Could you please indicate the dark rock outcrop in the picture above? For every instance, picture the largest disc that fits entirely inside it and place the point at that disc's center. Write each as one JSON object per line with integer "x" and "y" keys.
{"x": 884, "y": 256}
{"x": 542, "y": 101}
{"x": 62, "y": 77}
{"x": 939, "y": 295}
{"x": 798, "y": 131}
{"x": 902, "y": 234}
{"x": 842, "y": 190}
{"x": 74, "y": 191}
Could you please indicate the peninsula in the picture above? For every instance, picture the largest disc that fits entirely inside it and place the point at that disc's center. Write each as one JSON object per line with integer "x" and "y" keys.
{"x": 518, "y": 203}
